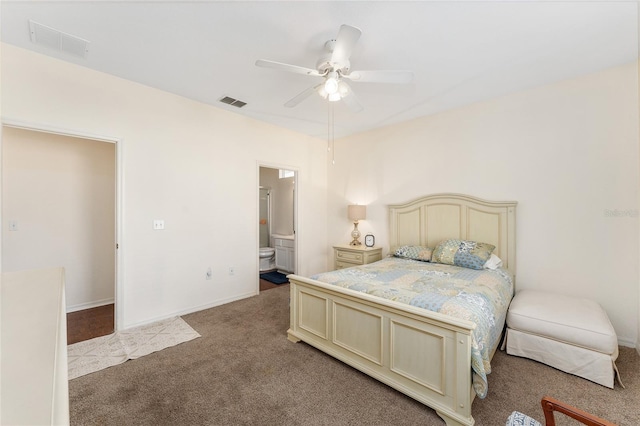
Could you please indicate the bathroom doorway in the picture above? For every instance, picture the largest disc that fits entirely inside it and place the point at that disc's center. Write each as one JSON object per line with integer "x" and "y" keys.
{"x": 276, "y": 225}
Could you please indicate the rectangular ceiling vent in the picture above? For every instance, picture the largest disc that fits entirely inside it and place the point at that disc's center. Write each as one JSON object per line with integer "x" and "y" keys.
{"x": 58, "y": 40}
{"x": 234, "y": 102}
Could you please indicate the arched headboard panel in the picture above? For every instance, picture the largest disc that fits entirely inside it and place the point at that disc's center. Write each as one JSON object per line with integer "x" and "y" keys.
{"x": 428, "y": 220}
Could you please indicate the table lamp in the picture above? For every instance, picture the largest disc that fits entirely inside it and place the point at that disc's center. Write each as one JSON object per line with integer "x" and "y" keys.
{"x": 356, "y": 213}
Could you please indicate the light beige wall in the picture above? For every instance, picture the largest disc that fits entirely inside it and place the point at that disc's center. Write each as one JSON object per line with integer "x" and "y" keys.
{"x": 190, "y": 164}
{"x": 1, "y": 217}
{"x": 61, "y": 193}
{"x": 638, "y": 94}
{"x": 567, "y": 152}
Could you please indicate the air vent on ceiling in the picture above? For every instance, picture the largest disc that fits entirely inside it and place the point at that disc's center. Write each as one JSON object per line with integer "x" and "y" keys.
{"x": 55, "y": 39}
{"x": 234, "y": 102}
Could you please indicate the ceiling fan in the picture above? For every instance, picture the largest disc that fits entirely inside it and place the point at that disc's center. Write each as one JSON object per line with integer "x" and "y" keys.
{"x": 335, "y": 68}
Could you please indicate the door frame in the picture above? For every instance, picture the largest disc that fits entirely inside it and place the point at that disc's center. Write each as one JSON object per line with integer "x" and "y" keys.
{"x": 119, "y": 269}
{"x": 296, "y": 240}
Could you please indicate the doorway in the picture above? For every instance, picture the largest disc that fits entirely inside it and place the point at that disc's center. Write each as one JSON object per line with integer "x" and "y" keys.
{"x": 277, "y": 198}
{"x": 59, "y": 208}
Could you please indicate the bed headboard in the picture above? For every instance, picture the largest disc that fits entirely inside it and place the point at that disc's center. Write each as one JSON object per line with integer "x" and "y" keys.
{"x": 431, "y": 219}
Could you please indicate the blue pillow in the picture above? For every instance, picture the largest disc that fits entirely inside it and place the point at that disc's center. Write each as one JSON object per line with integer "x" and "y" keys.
{"x": 468, "y": 254}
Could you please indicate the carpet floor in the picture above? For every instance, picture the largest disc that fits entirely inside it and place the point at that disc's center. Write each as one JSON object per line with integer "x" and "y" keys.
{"x": 244, "y": 371}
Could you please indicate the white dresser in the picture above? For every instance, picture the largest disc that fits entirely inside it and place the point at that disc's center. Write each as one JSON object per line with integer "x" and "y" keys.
{"x": 35, "y": 388}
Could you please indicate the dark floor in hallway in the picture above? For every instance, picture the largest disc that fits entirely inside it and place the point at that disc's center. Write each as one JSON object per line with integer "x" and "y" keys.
{"x": 90, "y": 323}
{"x": 95, "y": 322}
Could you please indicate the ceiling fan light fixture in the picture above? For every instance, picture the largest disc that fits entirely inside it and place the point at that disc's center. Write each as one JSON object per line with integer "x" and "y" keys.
{"x": 343, "y": 89}
{"x": 333, "y": 97}
{"x": 331, "y": 85}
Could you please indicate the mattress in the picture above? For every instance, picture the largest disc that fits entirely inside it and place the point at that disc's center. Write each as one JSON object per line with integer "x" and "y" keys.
{"x": 479, "y": 296}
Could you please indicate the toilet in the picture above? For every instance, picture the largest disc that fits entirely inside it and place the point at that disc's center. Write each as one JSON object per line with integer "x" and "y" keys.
{"x": 267, "y": 259}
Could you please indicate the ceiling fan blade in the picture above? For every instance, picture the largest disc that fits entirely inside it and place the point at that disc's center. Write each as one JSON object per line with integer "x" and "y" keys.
{"x": 345, "y": 42}
{"x": 397, "y": 77}
{"x": 287, "y": 67}
{"x": 349, "y": 98}
{"x": 302, "y": 96}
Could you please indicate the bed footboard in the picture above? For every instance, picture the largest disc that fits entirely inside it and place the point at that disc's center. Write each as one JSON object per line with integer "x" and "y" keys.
{"x": 425, "y": 355}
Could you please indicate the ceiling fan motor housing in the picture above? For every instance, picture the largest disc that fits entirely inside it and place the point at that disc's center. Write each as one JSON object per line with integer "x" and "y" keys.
{"x": 324, "y": 64}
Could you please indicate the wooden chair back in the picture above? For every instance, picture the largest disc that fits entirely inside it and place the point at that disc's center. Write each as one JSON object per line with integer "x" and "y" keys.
{"x": 549, "y": 405}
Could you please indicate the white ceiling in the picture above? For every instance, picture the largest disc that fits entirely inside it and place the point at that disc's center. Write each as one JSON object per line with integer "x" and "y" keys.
{"x": 460, "y": 52}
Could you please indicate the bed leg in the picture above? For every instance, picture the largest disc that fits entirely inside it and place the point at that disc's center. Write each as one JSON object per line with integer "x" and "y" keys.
{"x": 292, "y": 338}
{"x": 452, "y": 422}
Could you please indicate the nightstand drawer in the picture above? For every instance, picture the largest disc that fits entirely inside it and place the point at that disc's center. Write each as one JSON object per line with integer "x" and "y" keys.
{"x": 348, "y": 256}
{"x": 342, "y": 265}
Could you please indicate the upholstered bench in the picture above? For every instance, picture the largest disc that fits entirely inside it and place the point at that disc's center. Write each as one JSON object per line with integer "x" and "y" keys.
{"x": 571, "y": 334}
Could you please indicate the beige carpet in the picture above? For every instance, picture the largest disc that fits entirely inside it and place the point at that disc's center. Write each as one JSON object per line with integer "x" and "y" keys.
{"x": 106, "y": 351}
{"x": 243, "y": 371}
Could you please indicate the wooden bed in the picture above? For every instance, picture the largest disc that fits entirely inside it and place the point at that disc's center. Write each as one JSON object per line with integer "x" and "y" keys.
{"x": 425, "y": 355}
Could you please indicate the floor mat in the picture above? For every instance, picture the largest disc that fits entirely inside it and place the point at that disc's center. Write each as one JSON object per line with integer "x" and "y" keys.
{"x": 275, "y": 277}
{"x": 106, "y": 351}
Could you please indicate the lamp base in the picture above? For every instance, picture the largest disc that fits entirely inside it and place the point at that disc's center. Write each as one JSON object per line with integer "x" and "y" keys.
{"x": 355, "y": 234}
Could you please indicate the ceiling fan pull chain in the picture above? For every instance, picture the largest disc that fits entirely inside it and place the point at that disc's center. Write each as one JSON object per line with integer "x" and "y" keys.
{"x": 333, "y": 137}
{"x": 328, "y": 126}
{"x": 330, "y": 134}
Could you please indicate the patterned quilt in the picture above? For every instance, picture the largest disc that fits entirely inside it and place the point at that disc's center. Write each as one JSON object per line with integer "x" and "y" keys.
{"x": 480, "y": 296}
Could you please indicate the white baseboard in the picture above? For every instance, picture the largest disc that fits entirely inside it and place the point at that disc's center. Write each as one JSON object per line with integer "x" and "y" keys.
{"x": 89, "y": 305}
{"x": 191, "y": 310}
{"x": 627, "y": 343}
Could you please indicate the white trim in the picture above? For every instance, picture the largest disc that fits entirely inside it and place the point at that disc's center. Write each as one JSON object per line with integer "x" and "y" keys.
{"x": 89, "y": 305}
{"x": 46, "y": 128}
{"x": 191, "y": 310}
{"x": 118, "y": 317}
{"x": 119, "y": 273}
{"x": 627, "y": 343}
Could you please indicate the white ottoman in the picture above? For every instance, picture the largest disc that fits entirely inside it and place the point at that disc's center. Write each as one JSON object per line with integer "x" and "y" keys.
{"x": 573, "y": 335}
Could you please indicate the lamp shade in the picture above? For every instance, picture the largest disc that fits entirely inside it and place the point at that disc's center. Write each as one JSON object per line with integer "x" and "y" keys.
{"x": 357, "y": 212}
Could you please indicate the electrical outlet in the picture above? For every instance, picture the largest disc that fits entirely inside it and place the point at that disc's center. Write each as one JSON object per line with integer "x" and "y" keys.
{"x": 209, "y": 274}
{"x": 232, "y": 270}
{"x": 158, "y": 224}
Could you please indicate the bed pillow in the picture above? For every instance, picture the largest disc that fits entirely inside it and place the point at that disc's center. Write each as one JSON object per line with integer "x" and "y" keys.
{"x": 468, "y": 254}
{"x": 494, "y": 262}
{"x": 414, "y": 252}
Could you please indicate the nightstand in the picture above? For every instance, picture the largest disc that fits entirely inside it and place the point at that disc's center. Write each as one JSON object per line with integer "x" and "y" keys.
{"x": 347, "y": 256}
